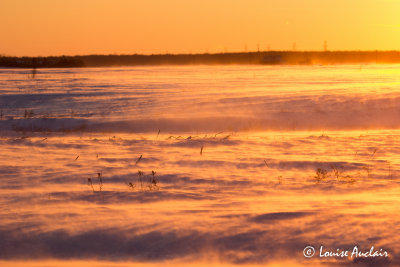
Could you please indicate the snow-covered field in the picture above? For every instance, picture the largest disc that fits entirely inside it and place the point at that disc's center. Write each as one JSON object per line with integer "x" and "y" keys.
{"x": 200, "y": 165}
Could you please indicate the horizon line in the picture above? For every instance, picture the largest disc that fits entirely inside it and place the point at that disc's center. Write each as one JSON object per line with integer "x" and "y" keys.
{"x": 208, "y": 53}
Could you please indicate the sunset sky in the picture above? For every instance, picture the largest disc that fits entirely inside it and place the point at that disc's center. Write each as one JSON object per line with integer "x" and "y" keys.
{"x": 71, "y": 27}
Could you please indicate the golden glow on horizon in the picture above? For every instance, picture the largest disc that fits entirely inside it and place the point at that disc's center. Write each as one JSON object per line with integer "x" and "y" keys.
{"x": 55, "y": 27}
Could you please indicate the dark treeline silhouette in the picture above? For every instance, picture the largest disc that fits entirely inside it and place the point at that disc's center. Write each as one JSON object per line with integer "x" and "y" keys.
{"x": 268, "y": 58}
{"x": 41, "y": 62}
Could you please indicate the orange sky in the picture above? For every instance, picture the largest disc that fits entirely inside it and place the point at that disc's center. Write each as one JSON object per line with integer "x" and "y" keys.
{"x": 55, "y": 27}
